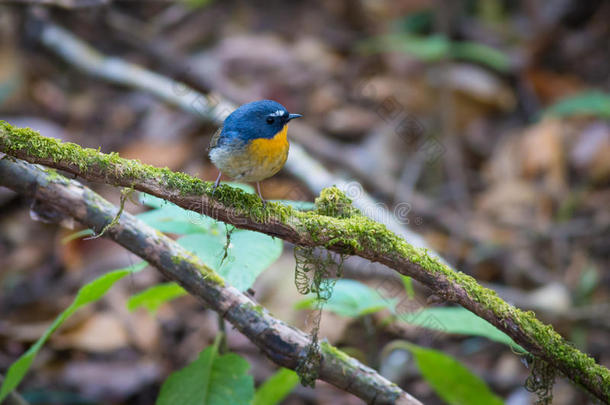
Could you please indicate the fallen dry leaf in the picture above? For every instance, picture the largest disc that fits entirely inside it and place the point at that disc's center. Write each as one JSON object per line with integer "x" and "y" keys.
{"x": 543, "y": 153}
{"x": 103, "y": 332}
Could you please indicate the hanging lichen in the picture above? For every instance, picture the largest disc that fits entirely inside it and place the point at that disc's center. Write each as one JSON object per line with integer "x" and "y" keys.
{"x": 228, "y": 232}
{"x": 541, "y": 380}
{"x": 317, "y": 271}
{"x": 125, "y": 194}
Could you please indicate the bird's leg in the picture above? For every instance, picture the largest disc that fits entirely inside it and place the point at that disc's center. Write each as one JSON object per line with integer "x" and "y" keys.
{"x": 258, "y": 187}
{"x": 216, "y": 183}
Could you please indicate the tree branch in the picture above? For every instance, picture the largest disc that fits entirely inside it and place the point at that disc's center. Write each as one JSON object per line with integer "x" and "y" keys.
{"x": 335, "y": 225}
{"x": 214, "y": 109}
{"x": 282, "y": 343}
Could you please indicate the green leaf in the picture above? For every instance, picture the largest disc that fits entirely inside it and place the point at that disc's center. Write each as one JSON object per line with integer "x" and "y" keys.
{"x": 152, "y": 298}
{"x": 89, "y": 293}
{"x": 249, "y": 253}
{"x": 588, "y": 103}
{"x": 76, "y": 235}
{"x": 152, "y": 201}
{"x": 481, "y": 54}
{"x": 426, "y": 48}
{"x": 433, "y": 48}
{"x": 351, "y": 298}
{"x": 457, "y": 320}
{"x": 244, "y": 187}
{"x": 407, "y": 282}
{"x": 168, "y": 217}
{"x": 211, "y": 380}
{"x": 276, "y": 388}
{"x": 453, "y": 382}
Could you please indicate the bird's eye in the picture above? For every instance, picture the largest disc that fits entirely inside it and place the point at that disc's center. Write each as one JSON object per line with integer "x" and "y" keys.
{"x": 270, "y": 120}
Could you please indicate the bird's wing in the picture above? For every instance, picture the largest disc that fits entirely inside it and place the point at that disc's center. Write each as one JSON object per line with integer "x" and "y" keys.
{"x": 214, "y": 140}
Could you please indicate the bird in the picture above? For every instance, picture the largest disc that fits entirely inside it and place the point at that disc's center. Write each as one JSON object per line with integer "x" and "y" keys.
{"x": 252, "y": 144}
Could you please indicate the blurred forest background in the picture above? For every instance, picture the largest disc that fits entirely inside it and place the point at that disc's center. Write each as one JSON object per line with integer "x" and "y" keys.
{"x": 483, "y": 125}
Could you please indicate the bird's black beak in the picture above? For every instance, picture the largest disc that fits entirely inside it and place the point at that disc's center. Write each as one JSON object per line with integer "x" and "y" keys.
{"x": 293, "y": 116}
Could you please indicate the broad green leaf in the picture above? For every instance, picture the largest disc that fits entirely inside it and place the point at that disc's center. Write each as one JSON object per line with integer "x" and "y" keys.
{"x": 457, "y": 320}
{"x": 588, "y": 103}
{"x": 453, "y": 382}
{"x": 173, "y": 219}
{"x": 249, "y": 253}
{"x": 152, "y": 201}
{"x": 212, "y": 379}
{"x": 90, "y": 292}
{"x": 351, "y": 298}
{"x": 152, "y": 298}
{"x": 276, "y": 388}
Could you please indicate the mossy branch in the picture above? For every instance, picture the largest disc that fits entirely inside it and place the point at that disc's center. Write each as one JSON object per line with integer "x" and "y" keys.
{"x": 283, "y": 344}
{"x": 339, "y": 229}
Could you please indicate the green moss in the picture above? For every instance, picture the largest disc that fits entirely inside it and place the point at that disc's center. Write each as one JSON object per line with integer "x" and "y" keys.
{"x": 358, "y": 234}
{"x": 331, "y": 350}
{"x": 256, "y": 308}
{"x": 333, "y": 202}
{"x": 207, "y": 272}
{"x": 55, "y": 177}
{"x": 25, "y": 141}
{"x": 335, "y": 224}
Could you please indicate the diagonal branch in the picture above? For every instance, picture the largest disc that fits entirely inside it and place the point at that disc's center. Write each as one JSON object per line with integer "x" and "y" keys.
{"x": 208, "y": 107}
{"x": 282, "y": 343}
{"x": 335, "y": 225}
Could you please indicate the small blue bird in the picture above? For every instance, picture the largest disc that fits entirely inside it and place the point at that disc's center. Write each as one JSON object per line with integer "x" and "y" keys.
{"x": 252, "y": 144}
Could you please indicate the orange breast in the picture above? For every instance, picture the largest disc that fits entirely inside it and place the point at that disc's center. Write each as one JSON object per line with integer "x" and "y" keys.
{"x": 268, "y": 155}
{"x": 270, "y": 149}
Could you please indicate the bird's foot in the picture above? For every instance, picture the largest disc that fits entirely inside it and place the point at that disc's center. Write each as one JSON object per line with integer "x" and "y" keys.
{"x": 216, "y": 183}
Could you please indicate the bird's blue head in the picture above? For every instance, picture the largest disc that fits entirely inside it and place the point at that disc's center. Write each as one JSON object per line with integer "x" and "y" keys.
{"x": 259, "y": 119}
